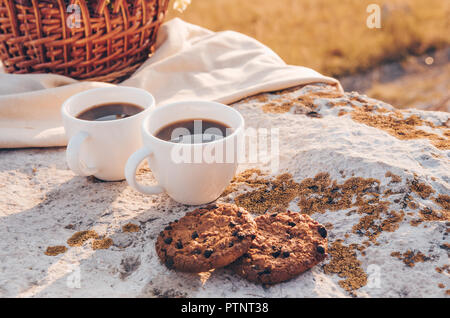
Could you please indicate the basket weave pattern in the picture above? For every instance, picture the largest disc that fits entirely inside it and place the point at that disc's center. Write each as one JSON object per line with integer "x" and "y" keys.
{"x": 109, "y": 43}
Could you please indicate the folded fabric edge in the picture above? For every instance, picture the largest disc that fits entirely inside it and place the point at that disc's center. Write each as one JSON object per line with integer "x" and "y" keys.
{"x": 54, "y": 137}
{"x": 278, "y": 85}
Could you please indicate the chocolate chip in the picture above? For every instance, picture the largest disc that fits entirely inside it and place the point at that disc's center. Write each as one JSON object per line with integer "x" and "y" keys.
{"x": 239, "y": 214}
{"x": 179, "y": 245}
{"x": 169, "y": 262}
{"x": 168, "y": 240}
{"x": 241, "y": 236}
{"x": 261, "y": 200}
{"x": 314, "y": 188}
{"x": 286, "y": 254}
{"x": 194, "y": 235}
{"x": 168, "y": 228}
{"x": 253, "y": 236}
{"x": 276, "y": 254}
{"x": 314, "y": 115}
{"x": 231, "y": 244}
{"x": 292, "y": 224}
{"x": 211, "y": 207}
{"x": 322, "y": 231}
{"x": 232, "y": 224}
{"x": 320, "y": 249}
{"x": 235, "y": 233}
{"x": 274, "y": 215}
{"x": 196, "y": 251}
{"x": 208, "y": 253}
{"x": 266, "y": 271}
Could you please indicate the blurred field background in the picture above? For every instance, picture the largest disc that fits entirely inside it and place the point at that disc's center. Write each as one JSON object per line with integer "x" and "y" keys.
{"x": 399, "y": 63}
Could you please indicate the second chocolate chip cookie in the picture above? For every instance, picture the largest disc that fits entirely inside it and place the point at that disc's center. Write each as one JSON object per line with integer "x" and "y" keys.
{"x": 286, "y": 245}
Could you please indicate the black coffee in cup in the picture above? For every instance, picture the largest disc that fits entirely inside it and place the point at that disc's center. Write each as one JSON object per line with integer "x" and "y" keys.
{"x": 110, "y": 111}
{"x": 193, "y": 131}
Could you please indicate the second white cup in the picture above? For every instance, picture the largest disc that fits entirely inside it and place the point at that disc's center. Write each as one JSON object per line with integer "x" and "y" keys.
{"x": 190, "y": 173}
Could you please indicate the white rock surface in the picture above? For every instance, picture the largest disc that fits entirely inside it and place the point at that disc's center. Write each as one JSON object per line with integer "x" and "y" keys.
{"x": 39, "y": 197}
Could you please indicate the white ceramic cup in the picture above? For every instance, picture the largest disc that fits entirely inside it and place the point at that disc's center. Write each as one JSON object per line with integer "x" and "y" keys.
{"x": 190, "y": 173}
{"x": 102, "y": 148}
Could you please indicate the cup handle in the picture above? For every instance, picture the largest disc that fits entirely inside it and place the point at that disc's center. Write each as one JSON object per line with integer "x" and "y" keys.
{"x": 130, "y": 172}
{"x": 73, "y": 155}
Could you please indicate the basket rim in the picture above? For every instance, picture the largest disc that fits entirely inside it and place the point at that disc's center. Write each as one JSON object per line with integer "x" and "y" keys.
{"x": 35, "y": 38}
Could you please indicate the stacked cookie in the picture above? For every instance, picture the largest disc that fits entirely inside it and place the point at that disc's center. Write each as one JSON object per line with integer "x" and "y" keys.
{"x": 269, "y": 249}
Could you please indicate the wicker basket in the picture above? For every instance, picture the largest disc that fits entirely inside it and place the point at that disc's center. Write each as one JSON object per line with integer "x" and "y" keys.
{"x": 108, "y": 43}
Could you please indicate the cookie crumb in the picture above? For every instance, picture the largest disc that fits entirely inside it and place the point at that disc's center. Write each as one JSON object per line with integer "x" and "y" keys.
{"x": 272, "y": 195}
{"x": 346, "y": 265}
{"x": 444, "y": 269}
{"x": 80, "y": 237}
{"x": 396, "y": 125}
{"x": 394, "y": 178}
{"x": 429, "y": 214}
{"x": 130, "y": 227}
{"x": 102, "y": 244}
{"x": 410, "y": 258}
{"x": 444, "y": 201}
{"x": 422, "y": 189}
{"x": 55, "y": 250}
{"x": 342, "y": 113}
{"x": 416, "y": 222}
{"x": 329, "y": 226}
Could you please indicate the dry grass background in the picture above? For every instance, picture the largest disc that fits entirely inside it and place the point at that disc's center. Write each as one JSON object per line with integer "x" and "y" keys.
{"x": 331, "y": 36}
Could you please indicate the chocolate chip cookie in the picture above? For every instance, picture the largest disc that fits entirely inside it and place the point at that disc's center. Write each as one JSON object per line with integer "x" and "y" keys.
{"x": 286, "y": 245}
{"x": 206, "y": 238}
